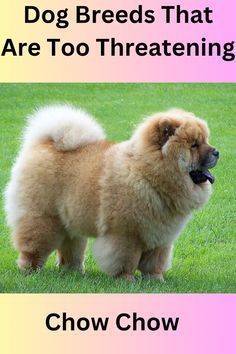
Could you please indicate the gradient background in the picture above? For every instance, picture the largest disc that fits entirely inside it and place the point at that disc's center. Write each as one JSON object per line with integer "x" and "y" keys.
{"x": 207, "y": 322}
{"x": 94, "y": 68}
{"x": 206, "y": 325}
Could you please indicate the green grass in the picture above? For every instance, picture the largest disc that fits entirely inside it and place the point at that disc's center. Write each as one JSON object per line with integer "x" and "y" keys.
{"x": 204, "y": 256}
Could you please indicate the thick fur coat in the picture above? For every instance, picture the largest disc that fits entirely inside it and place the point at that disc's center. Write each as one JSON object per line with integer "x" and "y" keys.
{"x": 135, "y": 197}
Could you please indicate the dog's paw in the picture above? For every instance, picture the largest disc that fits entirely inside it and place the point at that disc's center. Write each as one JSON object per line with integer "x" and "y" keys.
{"x": 126, "y": 276}
{"x": 155, "y": 276}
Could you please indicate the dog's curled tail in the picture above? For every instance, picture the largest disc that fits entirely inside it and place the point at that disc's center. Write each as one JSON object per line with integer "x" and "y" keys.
{"x": 68, "y": 127}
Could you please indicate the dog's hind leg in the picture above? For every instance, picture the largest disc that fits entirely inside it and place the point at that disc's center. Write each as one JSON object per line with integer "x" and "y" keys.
{"x": 36, "y": 237}
{"x": 71, "y": 253}
{"x": 154, "y": 263}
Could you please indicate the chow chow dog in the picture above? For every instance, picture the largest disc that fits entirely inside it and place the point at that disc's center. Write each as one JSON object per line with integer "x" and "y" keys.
{"x": 135, "y": 197}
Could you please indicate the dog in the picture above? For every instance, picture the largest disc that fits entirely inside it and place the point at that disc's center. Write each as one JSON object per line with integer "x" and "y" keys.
{"x": 135, "y": 197}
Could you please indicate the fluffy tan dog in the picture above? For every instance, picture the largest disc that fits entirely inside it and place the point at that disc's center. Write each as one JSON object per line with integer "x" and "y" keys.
{"x": 69, "y": 183}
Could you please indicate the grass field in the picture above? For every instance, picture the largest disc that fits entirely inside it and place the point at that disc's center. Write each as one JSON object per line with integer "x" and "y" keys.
{"x": 204, "y": 256}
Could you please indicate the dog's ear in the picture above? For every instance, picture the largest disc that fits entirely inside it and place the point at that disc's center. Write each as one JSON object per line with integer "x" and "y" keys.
{"x": 166, "y": 129}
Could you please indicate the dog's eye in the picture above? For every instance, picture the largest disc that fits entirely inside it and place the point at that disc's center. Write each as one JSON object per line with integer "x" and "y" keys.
{"x": 195, "y": 145}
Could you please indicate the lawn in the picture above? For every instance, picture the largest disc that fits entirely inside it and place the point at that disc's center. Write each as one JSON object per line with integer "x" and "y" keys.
{"x": 204, "y": 255}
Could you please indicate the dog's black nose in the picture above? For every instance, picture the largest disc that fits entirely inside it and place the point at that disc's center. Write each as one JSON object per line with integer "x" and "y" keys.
{"x": 216, "y": 153}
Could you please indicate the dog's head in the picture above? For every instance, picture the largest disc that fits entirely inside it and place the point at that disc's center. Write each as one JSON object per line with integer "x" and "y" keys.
{"x": 179, "y": 139}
